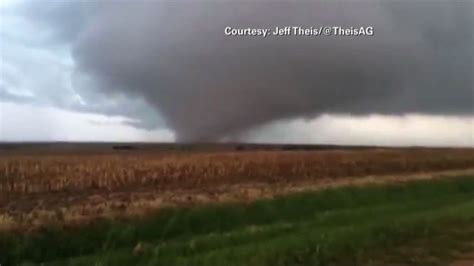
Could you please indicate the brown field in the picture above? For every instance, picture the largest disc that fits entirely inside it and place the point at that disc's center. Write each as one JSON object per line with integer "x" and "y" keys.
{"x": 38, "y": 187}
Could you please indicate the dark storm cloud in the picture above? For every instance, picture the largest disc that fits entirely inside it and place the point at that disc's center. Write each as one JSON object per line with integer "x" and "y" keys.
{"x": 209, "y": 86}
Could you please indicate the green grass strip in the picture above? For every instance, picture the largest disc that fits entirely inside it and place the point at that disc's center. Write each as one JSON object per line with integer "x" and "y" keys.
{"x": 304, "y": 228}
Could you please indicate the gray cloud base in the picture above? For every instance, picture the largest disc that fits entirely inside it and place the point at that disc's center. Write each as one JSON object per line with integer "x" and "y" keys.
{"x": 210, "y": 86}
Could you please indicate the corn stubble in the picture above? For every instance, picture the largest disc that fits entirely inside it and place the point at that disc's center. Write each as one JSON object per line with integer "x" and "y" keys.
{"x": 71, "y": 175}
{"x": 42, "y": 174}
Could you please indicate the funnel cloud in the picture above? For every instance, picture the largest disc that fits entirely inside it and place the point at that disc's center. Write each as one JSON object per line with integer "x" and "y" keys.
{"x": 209, "y": 86}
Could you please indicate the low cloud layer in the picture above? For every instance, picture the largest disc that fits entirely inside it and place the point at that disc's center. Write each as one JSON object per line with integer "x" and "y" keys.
{"x": 381, "y": 130}
{"x": 209, "y": 86}
{"x": 24, "y": 122}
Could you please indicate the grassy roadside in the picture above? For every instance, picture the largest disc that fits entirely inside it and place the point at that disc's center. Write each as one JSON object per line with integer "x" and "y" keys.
{"x": 332, "y": 227}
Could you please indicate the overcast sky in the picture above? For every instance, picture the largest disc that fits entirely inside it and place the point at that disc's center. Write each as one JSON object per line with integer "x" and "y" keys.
{"x": 165, "y": 71}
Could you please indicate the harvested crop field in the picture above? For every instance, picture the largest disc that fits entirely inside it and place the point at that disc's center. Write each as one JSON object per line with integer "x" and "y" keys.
{"x": 423, "y": 222}
{"x": 246, "y": 205}
{"x": 39, "y": 187}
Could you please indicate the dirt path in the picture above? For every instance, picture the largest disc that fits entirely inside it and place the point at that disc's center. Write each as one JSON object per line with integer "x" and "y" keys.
{"x": 465, "y": 260}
